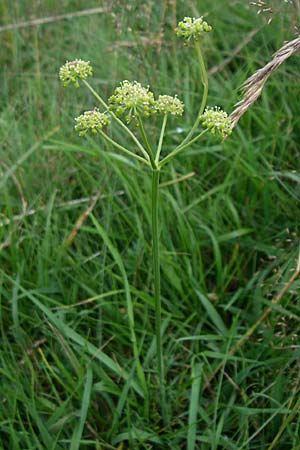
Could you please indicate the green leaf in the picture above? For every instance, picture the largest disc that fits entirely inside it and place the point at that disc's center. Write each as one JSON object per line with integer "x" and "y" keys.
{"x": 212, "y": 312}
{"x": 77, "y": 434}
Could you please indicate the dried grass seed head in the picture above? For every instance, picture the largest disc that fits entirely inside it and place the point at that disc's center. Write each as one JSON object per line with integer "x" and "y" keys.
{"x": 254, "y": 85}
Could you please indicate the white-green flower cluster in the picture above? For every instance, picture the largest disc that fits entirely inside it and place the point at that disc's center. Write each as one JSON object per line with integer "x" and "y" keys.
{"x": 166, "y": 104}
{"x": 92, "y": 121}
{"x": 132, "y": 98}
{"x": 192, "y": 29}
{"x": 217, "y": 121}
{"x": 73, "y": 71}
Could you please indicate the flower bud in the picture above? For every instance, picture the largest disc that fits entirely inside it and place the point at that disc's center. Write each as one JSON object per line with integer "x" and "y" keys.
{"x": 169, "y": 105}
{"x": 92, "y": 121}
{"x": 192, "y": 29}
{"x": 73, "y": 71}
{"x": 217, "y": 121}
{"x": 130, "y": 98}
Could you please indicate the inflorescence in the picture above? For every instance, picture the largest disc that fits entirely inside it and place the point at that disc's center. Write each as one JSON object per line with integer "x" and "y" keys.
{"x": 169, "y": 105}
{"x": 132, "y": 98}
{"x": 192, "y": 29}
{"x": 76, "y": 70}
{"x": 217, "y": 121}
{"x": 92, "y": 121}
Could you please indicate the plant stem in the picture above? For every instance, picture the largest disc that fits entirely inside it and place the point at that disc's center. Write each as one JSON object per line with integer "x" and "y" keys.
{"x": 95, "y": 94}
{"x": 161, "y": 138}
{"x": 180, "y": 148}
{"x": 123, "y": 149}
{"x": 204, "y": 80}
{"x": 146, "y": 142}
{"x": 157, "y": 298}
{"x": 122, "y": 125}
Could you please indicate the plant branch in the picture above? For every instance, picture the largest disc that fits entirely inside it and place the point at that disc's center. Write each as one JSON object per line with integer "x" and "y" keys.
{"x": 123, "y": 149}
{"x": 122, "y": 124}
{"x": 161, "y": 138}
{"x": 146, "y": 142}
{"x": 180, "y": 148}
{"x": 204, "y": 79}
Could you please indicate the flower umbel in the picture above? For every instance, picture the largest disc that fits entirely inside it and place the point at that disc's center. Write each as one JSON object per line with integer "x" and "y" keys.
{"x": 192, "y": 29}
{"x": 169, "y": 105}
{"x": 131, "y": 98}
{"x": 217, "y": 121}
{"x": 73, "y": 71}
{"x": 92, "y": 121}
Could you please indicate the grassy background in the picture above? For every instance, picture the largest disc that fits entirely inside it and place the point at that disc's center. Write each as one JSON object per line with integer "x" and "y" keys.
{"x": 229, "y": 237}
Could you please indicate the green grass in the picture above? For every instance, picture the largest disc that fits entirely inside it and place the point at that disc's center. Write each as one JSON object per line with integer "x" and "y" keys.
{"x": 230, "y": 240}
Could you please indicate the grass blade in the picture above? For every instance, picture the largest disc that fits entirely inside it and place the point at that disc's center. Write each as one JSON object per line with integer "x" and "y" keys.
{"x": 75, "y": 443}
{"x": 212, "y": 313}
{"x": 194, "y": 404}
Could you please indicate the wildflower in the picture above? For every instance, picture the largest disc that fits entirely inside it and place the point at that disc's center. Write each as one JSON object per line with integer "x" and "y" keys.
{"x": 92, "y": 121}
{"x": 131, "y": 98}
{"x": 192, "y": 29}
{"x": 73, "y": 71}
{"x": 217, "y": 121}
{"x": 167, "y": 104}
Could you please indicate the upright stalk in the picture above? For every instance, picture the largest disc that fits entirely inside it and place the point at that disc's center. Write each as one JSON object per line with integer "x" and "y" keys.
{"x": 157, "y": 298}
{"x": 161, "y": 138}
{"x": 204, "y": 79}
{"x": 146, "y": 142}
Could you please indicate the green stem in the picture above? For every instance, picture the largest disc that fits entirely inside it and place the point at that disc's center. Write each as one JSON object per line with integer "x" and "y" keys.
{"x": 157, "y": 298}
{"x": 123, "y": 149}
{"x": 146, "y": 142}
{"x": 180, "y": 148}
{"x": 204, "y": 80}
{"x": 95, "y": 94}
{"x": 122, "y": 125}
{"x": 161, "y": 138}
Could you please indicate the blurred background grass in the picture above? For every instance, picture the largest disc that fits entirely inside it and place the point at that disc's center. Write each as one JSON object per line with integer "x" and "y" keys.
{"x": 229, "y": 234}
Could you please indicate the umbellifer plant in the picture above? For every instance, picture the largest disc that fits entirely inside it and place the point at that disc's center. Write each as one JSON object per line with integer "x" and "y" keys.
{"x": 128, "y": 107}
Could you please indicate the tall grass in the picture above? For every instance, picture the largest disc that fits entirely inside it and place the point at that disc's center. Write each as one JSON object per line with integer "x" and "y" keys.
{"x": 229, "y": 233}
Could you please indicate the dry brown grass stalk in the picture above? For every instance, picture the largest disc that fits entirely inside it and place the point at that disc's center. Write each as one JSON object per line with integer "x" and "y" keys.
{"x": 68, "y": 204}
{"x": 82, "y": 218}
{"x": 253, "y": 86}
{"x": 49, "y": 19}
